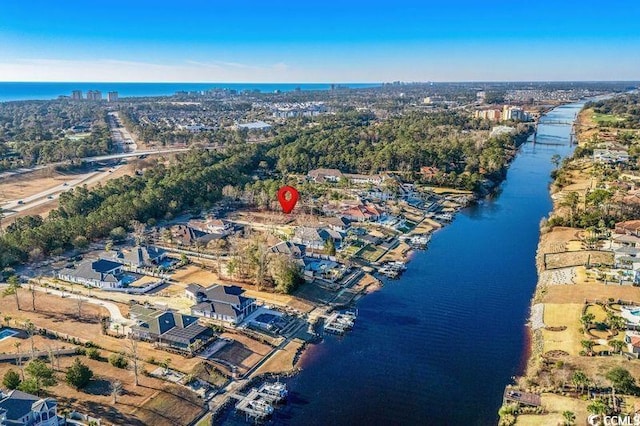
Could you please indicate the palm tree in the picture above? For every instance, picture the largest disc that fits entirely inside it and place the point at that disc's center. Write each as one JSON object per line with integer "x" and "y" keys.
{"x": 571, "y": 200}
{"x": 617, "y": 345}
{"x": 30, "y": 328}
{"x": 588, "y": 345}
{"x": 586, "y": 320}
{"x": 12, "y": 289}
{"x": 580, "y": 380}
{"x": 569, "y": 418}
{"x": 19, "y": 358}
{"x": 616, "y": 323}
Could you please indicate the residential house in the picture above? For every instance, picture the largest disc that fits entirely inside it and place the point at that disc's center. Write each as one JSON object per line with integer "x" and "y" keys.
{"x": 22, "y": 409}
{"x": 315, "y": 238}
{"x": 364, "y": 179}
{"x": 629, "y": 227}
{"x": 220, "y": 302}
{"x": 338, "y": 223}
{"x": 185, "y": 235}
{"x": 324, "y": 175}
{"x": 362, "y": 213}
{"x": 168, "y": 328}
{"x": 627, "y": 240}
{"x": 632, "y": 339}
{"x": 212, "y": 226}
{"x": 610, "y": 156}
{"x": 429, "y": 172}
{"x": 101, "y": 273}
{"x": 141, "y": 256}
{"x": 292, "y": 250}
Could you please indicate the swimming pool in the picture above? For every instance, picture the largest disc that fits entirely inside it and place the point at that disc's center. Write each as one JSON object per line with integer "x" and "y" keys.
{"x": 7, "y": 332}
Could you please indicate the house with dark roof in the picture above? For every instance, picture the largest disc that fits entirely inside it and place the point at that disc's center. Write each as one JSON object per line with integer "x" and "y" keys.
{"x": 168, "y": 328}
{"x": 22, "y": 409}
{"x": 220, "y": 302}
{"x": 140, "y": 256}
{"x": 338, "y": 223}
{"x": 101, "y": 273}
{"x": 315, "y": 238}
{"x": 186, "y": 235}
{"x": 292, "y": 250}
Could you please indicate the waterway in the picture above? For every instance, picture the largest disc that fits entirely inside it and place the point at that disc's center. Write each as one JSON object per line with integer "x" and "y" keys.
{"x": 438, "y": 345}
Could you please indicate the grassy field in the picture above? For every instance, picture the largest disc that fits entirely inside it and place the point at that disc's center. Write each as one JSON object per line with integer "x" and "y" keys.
{"x": 370, "y": 253}
{"x": 606, "y": 119}
{"x": 557, "y": 315}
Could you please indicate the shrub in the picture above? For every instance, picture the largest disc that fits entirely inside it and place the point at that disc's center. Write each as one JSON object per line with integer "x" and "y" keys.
{"x": 93, "y": 353}
{"x": 118, "y": 360}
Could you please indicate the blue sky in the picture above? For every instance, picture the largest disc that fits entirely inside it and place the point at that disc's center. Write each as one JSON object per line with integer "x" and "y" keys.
{"x": 318, "y": 41}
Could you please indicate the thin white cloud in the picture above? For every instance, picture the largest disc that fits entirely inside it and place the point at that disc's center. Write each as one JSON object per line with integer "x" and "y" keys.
{"x": 46, "y": 69}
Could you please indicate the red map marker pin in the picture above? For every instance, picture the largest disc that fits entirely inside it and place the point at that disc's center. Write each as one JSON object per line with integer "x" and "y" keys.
{"x": 288, "y": 203}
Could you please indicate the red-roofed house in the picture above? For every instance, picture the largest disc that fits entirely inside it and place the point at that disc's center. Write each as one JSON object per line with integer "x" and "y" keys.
{"x": 429, "y": 172}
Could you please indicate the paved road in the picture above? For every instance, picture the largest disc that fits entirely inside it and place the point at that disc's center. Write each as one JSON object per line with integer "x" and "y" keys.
{"x": 16, "y": 206}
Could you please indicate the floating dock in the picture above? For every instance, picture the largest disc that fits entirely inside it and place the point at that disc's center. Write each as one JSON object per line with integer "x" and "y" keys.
{"x": 339, "y": 323}
{"x": 257, "y": 404}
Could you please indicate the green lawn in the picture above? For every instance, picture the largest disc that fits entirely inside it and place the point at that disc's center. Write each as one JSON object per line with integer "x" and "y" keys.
{"x": 370, "y": 253}
{"x": 607, "y": 118}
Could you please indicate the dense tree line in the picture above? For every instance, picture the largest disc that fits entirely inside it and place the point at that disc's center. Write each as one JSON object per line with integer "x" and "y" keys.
{"x": 38, "y": 132}
{"x": 357, "y": 143}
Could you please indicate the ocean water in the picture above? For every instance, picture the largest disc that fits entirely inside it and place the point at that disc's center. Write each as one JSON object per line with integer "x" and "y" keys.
{"x": 15, "y": 91}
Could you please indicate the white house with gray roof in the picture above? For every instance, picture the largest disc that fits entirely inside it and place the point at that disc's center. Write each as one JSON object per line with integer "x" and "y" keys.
{"x": 19, "y": 408}
{"x": 101, "y": 273}
{"x": 220, "y": 302}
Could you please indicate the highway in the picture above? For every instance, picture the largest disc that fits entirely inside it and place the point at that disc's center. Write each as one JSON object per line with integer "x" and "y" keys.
{"x": 124, "y": 142}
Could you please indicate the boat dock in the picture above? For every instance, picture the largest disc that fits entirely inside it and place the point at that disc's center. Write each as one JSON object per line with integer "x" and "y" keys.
{"x": 340, "y": 323}
{"x": 392, "y": 269}
{"x": 258, "y": 403}
{"x": 253, "y": 405}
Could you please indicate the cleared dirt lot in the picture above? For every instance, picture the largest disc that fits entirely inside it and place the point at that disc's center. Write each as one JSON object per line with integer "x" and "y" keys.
{"x": 243, "y": 352}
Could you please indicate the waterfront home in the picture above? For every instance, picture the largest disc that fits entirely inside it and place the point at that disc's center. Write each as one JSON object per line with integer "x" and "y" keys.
{"x": 324, "y": 175}
{"x": 101, "y": 273}
{"x": 23, "y": 409}
{"x": 315, "y": 238}
{"x": 632, "y": 339}
{"x": 610, "y": 156}
{"x": 220, "y": 302}
{"x": 362, "y": 213}
{"x": 632, "y": 315}
{"x": 168, "y": 328}
{"x": 325, "y": 269}
{"x": 140, "y": 256}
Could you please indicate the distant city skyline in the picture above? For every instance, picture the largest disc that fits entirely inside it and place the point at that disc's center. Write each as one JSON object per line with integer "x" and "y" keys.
{"x": 278, "y": 41}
